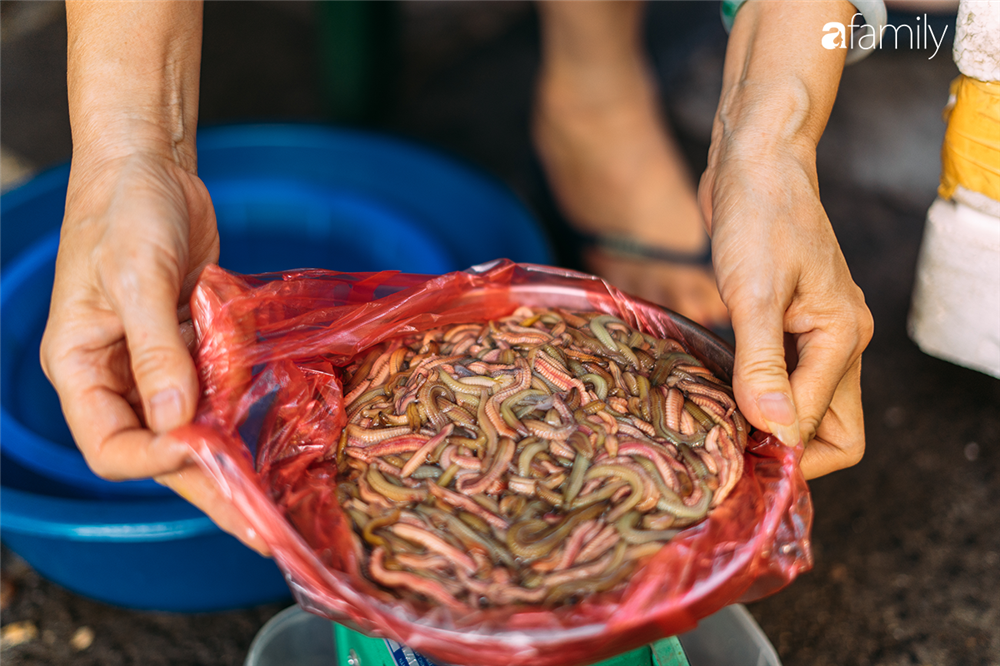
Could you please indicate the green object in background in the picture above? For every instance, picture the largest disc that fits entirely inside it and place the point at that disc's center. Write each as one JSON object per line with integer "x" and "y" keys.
{"x": 354, "y": 649}
{"x": 358, "y": 45}
{"x": 668, "y": 652}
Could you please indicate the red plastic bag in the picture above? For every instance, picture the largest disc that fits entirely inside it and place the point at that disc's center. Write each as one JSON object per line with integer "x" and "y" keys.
{"x": 271, "y": 414}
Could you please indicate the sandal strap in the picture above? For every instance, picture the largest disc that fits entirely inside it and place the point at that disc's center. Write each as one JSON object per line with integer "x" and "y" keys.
{"x": 629, "y": 247}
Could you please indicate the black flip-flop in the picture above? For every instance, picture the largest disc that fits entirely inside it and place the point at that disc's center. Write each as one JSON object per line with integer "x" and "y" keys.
{"x": 630, "y": 248}
{"x": 570, "y": 244}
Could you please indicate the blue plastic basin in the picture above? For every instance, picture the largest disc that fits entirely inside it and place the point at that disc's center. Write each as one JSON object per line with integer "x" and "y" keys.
{"x": 285, "y": 197}
{"x": 155, "y": 553}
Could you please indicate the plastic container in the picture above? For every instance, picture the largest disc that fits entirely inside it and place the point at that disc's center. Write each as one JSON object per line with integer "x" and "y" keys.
{"x": 293, "y": 637}
{"x": 955, "y": 304}
{"x": 285, "y": 197}
{"x": 156, "y": 553}
{"x": 731, "y": 637}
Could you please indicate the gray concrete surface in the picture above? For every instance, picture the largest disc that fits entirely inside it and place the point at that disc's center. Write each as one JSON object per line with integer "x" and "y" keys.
{"x": 907, "y": 550}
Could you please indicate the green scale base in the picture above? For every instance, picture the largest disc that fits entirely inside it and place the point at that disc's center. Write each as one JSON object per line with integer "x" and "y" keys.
{"x": 356, "y": 649}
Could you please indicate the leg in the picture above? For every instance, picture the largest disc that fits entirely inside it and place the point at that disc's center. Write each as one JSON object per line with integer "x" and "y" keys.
{"x": 609, "y": 157}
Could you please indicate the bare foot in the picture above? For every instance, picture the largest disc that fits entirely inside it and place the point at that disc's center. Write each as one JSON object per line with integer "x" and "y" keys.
{"x": 615, "y": 171}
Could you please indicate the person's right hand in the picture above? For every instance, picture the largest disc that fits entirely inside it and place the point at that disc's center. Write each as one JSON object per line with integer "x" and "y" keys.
{"x": 137, "y": 232}
{"x": 800, "y": 321}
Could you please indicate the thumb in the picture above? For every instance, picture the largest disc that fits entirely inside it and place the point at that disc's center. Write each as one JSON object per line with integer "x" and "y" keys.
{"x": 194, "y": 485}
{"x": 164, "y": 371}
{"x": 760, "y": 377}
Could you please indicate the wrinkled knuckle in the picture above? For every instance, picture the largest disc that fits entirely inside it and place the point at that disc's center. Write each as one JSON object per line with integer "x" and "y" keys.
{"x": 138, "y": 276}
{"x": 764, "y": 370}
{"x": 52, "y": 354}
{"x": 854, "y": 451}
{"x": 852, "y": 325}
{"x": 150, "y": 361}
{"x": 756, "y": 292}
{"x": 866, "y": 327}
{"x": 121, "y": 281}
{"x": 808, "y": 426}
{"x": 860, "y": 316}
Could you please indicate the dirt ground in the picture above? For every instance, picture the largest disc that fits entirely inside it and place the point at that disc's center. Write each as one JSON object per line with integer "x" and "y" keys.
{"x": 907, "y": 550}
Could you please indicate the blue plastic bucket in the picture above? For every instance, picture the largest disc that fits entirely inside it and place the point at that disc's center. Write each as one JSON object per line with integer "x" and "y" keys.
{"x": 285, "y": 197}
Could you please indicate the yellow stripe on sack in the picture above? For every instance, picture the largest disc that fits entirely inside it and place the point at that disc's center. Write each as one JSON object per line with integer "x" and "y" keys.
{"x": 970, "y": 156}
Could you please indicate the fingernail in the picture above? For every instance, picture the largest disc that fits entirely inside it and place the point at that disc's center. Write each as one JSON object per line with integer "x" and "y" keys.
{"x": 787, "y": 435}
{"x": 777, "y": 408}
{"x": 779, "y": 413}
{"x": 165, "y": 411}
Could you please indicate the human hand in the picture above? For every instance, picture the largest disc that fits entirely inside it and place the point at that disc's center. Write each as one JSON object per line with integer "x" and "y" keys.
{"x": 139, "y": 227}
{"x": 137, "y": 232}
{"x": 800, "y": 321}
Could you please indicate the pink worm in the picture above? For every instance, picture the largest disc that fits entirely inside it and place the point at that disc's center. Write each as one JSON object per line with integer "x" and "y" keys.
{"x": 480, "y": 587}
{"x": 599, "y": 544}
{"x": 618, "y": 404}
{"x": 712, "y": 393}
{"x": 561, "y": 449}
{"x": 493, "y": 414}
{"x": 562, "y": 409}
{"x": 425, "y": 586}
{"x": 507, "y": 594}
{"x": 646, "y": 451}
{"x": 413, "y": 561}
{"x": 450, "y": 456}
{"x": 504, "y": 455}
{"x": 467, "y": 462}
{"x": 370, "y": 496}
{"x": 708, "y": 460}
{"x": 434, "y": 543}
{"x": 609, "y": 421}
{"x": 584, "y": 571}
{"x": 688, "y": 424}
{"x": 535, "y": 338}
{"x": 734, "y": 462}
{"x": 466, "y": 503}
{"x": 590, "y": 486}
{"x": 481, "y": 368}
{"x": 420, "y": 456}
{"x": 389, "y": 447}
{"x": 716, "y": 409}
{"x": 672, "y": 408}
{"x": 371, "y": 436}
{"x": 358, "y": 390}
{"x": 560, "y": 379}
{"x": 564, "y": 557}
{"x": 543, "y": 430}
